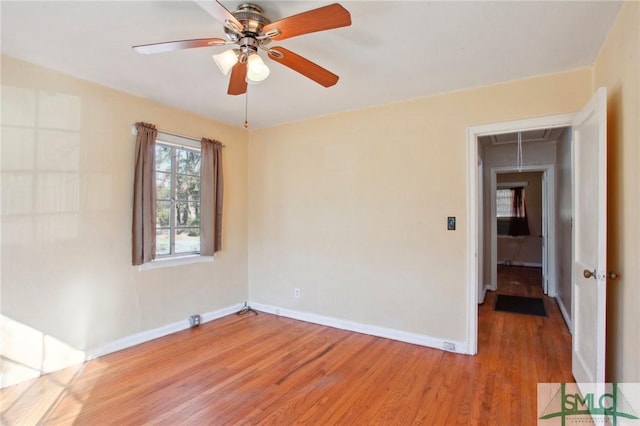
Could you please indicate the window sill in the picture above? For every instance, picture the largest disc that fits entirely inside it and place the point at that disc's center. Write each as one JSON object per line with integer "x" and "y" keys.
{"x": 170, "y": 262}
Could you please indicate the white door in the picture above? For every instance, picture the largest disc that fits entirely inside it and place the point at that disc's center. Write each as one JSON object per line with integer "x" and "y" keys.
{"x": 589, "y": 240}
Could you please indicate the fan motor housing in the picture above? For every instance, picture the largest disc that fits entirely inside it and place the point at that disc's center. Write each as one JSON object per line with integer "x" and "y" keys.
{"x": 252, "y": 18}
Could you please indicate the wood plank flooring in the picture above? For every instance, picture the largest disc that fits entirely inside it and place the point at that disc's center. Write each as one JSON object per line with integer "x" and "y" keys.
{"x": 276, "y": 371}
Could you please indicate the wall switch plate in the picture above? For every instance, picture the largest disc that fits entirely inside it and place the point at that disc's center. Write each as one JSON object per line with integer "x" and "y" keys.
{"x": 451, "y": 223}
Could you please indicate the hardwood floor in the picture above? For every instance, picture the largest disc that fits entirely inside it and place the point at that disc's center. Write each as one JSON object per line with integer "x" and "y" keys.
{"x": 521, "y": 281}
{"x": 271, "y": 370}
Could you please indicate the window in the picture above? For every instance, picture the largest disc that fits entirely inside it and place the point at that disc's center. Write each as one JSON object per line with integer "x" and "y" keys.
{"x": 177, "y": 199}
{"x": 511, "y": 212}
{"x": 178, "y": 187}
{"x": 504, "y": 203}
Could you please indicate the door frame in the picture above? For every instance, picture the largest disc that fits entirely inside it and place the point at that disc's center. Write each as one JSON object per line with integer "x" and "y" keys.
{"x": 548, "y": 212}
{"x": 473, "y": 132}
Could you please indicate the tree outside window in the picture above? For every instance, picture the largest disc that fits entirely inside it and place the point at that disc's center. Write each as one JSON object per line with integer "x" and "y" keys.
{"x": 177, "y": 200}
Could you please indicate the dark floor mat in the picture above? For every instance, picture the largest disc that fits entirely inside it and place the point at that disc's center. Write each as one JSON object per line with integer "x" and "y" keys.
{"x": 520, "y": 305}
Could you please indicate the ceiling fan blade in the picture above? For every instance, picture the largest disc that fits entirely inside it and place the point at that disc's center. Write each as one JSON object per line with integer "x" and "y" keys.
{"x": 170, "y": 46}
{"x": 238, "y": 80}
{"x": 303, "y": 66}
{"x": 323, "y": 18}
{"x": 219, "y": 12}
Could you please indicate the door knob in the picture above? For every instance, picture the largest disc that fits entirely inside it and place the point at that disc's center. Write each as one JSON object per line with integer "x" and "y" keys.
{"x": 588, "y": 274}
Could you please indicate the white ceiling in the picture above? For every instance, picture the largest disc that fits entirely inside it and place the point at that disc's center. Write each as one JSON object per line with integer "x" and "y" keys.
{"x": 394, "y": 50}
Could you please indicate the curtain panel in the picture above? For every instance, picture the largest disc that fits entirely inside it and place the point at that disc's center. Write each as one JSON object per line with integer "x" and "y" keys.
{"x": 518, "y": 224}
{"x": 144, "y": 195}
{"x": 211, "y": 192}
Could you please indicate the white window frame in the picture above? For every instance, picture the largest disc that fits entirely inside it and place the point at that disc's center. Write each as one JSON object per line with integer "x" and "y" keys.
{"x": 179, "y": 259}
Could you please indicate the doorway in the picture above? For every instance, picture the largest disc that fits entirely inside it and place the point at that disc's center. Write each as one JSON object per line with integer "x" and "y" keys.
{"x": 521, "y": 219}
{"x": 587, "y": 174}
{"x": 482, "y": 223}
{"x": 536, "y": 246}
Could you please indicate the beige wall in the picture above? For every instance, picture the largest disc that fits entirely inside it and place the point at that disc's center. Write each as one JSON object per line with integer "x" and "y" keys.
{"x": 526, "y": 250}
{"x": 67, "y": 161}
{"x": 618, "y": 68}
{"x": 352, "y": 208}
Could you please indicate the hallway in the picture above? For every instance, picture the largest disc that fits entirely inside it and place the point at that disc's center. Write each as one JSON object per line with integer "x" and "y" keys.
{"x": 543, "y": 341}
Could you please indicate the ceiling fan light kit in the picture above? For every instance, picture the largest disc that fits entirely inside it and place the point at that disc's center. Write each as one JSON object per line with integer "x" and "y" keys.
{"x": 251, "y": 30}
{"x": 257, "y": 70}
{"x": 226, "y": 60}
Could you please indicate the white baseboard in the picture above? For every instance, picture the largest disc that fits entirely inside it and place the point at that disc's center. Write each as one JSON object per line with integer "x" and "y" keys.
{"x": 565, "y": 314}
{"x": 388, "y": 333}
{"x": 145, "y": 336}
{"x": 485, "y": 288}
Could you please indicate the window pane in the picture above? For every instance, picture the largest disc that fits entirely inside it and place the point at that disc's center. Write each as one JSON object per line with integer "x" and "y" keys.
{"x": 188, "y": 213}
{"x": 187, "y": 188}
{"x": 188, "y": 162}
{"x": 163, "y": 186}
{"x": 162, "y": 241}
{"x": 503, "y": 202}
{"x": 177, "y": 200}
{"x": 163, "y": 158}
{"x": 188, "y": 240}
{"x": 163, "y": 210}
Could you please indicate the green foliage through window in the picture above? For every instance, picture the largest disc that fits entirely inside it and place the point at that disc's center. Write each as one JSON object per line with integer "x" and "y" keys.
{"x": 177, "y": 200}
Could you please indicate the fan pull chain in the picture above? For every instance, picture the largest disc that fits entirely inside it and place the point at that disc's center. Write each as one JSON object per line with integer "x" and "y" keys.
{"x": 246, "y": 109}
{"x": 519, "y": 158}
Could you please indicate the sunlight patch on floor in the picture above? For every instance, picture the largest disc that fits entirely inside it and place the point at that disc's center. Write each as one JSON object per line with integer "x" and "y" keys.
{"x": 27, "y": 353}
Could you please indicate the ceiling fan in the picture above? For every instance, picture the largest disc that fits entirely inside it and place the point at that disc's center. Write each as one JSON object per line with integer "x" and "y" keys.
{"x": 250, "y": 30}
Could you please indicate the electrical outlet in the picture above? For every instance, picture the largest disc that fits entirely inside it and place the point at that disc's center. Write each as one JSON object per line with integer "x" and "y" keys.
{"x": 194, "y": 320}
{"x": 296, "y": 293}
{"x": 448, "y": 346}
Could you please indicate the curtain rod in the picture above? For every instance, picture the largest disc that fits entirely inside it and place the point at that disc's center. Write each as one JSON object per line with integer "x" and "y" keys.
{"x": 135, "y": 132}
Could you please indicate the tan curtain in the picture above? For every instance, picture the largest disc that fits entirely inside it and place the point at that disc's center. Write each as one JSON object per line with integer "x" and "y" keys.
{"x": 211, "y": 190}
{"x": 144, "y": 195}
